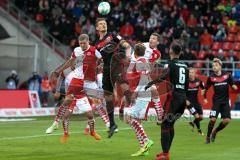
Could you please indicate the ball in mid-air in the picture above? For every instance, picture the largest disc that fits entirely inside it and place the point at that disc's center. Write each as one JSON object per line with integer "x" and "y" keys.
{"x": 104, "y": 8}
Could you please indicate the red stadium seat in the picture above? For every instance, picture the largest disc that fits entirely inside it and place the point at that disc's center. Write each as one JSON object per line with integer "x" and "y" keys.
{"x": 235, "y": 53}
{"x": 227, "y": 46}
{"x": 236, "y": 46}
{"x": 237, "y": 38}
{"x": 230, "y": 38}
{"x": 194, "y": 53}
{"x": 216, "y": 46}
{"x": 214, "y": 53}
{"x": 198, "y": 65}
{"x": 202, "y": 54}
{"x": 233, "y": 29}
{"x": 226, "y": 54}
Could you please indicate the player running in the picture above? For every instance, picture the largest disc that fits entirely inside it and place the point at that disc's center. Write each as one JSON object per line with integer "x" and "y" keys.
{"x": 220, "y": 81}
{"x": 177, "y": 74}
{"x": 138, "y": 109}
{"x": 196, "y": 110}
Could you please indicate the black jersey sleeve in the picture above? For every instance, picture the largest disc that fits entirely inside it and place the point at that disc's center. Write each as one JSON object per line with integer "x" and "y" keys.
{"x": 230, "y": 80}
{"x": 207, "y": 86}
{"x": 163, "y": 76}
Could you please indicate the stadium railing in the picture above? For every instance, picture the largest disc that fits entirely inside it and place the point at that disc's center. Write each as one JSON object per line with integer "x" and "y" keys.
{"x": 36, "y": 29}
{"x": 229, "y": 66}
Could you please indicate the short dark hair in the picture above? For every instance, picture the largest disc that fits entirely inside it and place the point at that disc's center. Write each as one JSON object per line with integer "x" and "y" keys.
{"x": 157, "y": 35}
{"x": 100, "y": 19}
{"x": 139, "y": 49}
{"x": 176, "y": 47}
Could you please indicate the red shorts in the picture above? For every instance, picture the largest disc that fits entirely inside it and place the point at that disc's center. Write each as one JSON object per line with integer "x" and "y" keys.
{"x": 76, "y": 88}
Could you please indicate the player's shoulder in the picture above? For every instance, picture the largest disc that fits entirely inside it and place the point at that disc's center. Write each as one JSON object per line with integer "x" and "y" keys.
{"x": 92, "y": 48}
{"x": 177, "y": 62}
{"x": 78, "y": 50}
{"x": 141, "y": 60}
{"x": 146, "y": 44}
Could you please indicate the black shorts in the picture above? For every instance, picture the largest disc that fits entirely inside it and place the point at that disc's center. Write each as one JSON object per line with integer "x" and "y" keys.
{"x": 174, "y": 106}
{"x": 196, "y": 109}
{"x": 107, "y": 83}
{"x": 220, "y": 107}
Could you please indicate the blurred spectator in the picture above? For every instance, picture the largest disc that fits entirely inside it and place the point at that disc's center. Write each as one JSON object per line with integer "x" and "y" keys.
{"x": 34, "y": 83}
{"x": 206, "y": 40}
{"x": 56, "y": 29}
{"x": 185, "y": 13}
{"x": 126, "y": 30}
{"x": 43, "y": 5}
{"x": 152, "y": 22}
{"x": 185, "y": 38}
{"x": 192, "y": 21}
{"x": 45, "y": 89}
{"x": 221, "y": 33}
{"x": 12, "y": 80}
{"x": 56, "y": 11}
{"x": 194, "y": 41}
{"x": 89, "y": 29}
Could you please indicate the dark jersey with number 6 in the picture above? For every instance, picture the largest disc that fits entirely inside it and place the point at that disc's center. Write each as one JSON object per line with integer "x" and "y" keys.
{"x": 178, "y": 75}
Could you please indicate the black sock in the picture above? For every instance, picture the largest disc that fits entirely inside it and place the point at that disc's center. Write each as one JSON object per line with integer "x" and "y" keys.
{"x": 110, "y": 110}
{"x": 210, "y": 128}
{"x": 197, "y": 123}
{"x": 171, "y": 136}
{"x": 220, "y": 127}
{"x": 165, "y": 137}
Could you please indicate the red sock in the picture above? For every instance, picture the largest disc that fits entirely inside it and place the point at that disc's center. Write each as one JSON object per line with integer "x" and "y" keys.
{"x": 103, "y": 114}
{"x": 158, "y": 108}
{"x": 65, "y": 123}
{"x": 139, "y": 131}
{"x": 91, "y": 123}
{"x": 60, "y": 113}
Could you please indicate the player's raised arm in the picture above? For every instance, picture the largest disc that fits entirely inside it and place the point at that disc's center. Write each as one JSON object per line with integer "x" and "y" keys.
{"x": 164, "y": 75}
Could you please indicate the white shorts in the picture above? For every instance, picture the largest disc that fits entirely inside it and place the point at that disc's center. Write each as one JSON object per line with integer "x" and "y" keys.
{"x": 138, "y": 110}
{"x": 92, "y": 90}
{"x": 82, "y": 105}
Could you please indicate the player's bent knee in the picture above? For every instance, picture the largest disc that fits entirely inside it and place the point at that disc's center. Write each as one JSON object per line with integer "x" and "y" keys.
{"x": 213, "y": 120}
{"x": 197, "y": 116}
{"x": 68, "y": 99}
{"x": 226, "y": 121}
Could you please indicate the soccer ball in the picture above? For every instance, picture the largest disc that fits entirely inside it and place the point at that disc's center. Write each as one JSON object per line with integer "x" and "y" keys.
{"x": 104, "y": 8}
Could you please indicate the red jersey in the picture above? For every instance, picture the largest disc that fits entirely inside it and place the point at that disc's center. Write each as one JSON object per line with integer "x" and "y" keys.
{"x": 91, "y": 55}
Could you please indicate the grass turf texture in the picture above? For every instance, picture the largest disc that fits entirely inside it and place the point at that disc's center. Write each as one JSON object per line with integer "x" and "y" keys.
{"x": 28, "y": 141}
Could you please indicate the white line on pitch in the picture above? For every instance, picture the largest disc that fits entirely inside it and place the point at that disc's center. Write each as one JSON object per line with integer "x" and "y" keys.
{"x": 46, "y": 135}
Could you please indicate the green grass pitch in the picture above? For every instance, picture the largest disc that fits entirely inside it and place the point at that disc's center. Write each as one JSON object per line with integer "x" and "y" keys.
{"x": 28, "y": 141}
